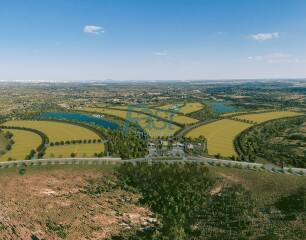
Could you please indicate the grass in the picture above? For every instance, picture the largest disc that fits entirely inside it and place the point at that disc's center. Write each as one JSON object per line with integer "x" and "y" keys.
{"x": 220, "y": 136}
{"x": 263, "y": 117}
{"x": 81, "y": 150}
{"x": 25, "y": 141}
{"x": 153, "y": 126}
{"x": 56, "y": 131}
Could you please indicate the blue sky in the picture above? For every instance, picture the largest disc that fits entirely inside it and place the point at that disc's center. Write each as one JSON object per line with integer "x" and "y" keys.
{"x": 152, "y": 39}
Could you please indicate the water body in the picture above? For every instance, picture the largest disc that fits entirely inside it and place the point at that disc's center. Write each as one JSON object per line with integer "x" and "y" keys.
{"x": 101, "y": 122}
{"x": 221, "y": 107}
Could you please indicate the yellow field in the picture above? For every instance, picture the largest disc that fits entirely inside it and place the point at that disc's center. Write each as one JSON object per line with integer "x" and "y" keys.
{"x": 25, "y": 141}
{"x": 190, "y": 108}
{"x": 81, "y": 150}
{"x": 220, "y": 135}
{"x": 229, "y": 114}
{"x": 180, "y": 119}
{"x": 56, "y": 131}
{"x": 262, "y": 117}
{"x": 183, "y": 108}
{"x": 153, "y": 126}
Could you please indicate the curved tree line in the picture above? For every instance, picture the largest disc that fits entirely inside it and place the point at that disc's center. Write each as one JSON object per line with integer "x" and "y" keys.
{"x": 276, "y": 141}
{"x": 40, "y": 150}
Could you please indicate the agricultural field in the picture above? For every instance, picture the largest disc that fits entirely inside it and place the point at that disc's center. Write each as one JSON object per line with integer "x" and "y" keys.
{"x": 171, "y": 107}
{"x": 80, "y": 150}
{"x": 25, "y": 141}
{"x": 181, "y": 119}
{"x": 56, "y": 131}
{"x": 183, "y": 108}
{"x": 190, "y": 108}
{"x": 153, "y": 126}
{"x": 266, "y": 116}
{"x": 220, "y": 136}
{"x": 178, "y": 118}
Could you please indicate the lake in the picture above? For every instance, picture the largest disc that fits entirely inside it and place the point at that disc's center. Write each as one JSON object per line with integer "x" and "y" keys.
{"x": 221, "y": 107}
{"x": 101, "y": 122}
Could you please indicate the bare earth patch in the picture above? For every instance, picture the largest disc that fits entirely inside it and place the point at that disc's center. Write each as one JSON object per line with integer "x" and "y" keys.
{"x": 50, "y": 205}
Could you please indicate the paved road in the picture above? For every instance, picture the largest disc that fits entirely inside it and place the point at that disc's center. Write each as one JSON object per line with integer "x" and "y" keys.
{"x": 109, "y": 160}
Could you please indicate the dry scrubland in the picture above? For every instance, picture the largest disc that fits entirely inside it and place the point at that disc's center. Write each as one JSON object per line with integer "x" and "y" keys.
{"x": 54, "y": 203}
{"x": 220, "y": 135}
{"x": 56, "y": 131}
{"x": 263, "y": 117}
{"x": 25, "y": 141}
{"x": 81, "y": 150}
{"x": 153, "y": 126}
{"x": 51, "y": 201}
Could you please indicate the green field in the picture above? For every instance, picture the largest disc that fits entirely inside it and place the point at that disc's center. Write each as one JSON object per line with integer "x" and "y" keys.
{"x": 56, "y": 131}
{"x": 263, "y": 117}
{"x": 25, "y": 141}
{"x": 153, "y": 126}
{"x": 220, "y": 136}
{"x": 81, "y": 150}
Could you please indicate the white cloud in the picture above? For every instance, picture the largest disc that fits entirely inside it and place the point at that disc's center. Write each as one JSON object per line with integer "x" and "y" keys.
{"x": 276, "y": 57}
{"x": 93, "y": 29}
{"x": 260, "y": 37}
{"x": 161, "y": 53}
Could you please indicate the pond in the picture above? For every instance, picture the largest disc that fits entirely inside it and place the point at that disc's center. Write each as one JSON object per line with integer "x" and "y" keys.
{"x": 221, "y": 107}
{"x": 98, "y": 121}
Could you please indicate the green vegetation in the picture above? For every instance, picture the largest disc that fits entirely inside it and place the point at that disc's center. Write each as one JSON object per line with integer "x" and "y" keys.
{"x": 280, "y": 141}
{"x": 191, "y": 203}
{"x": 126, "y": 144}
{"x": 6, "y": 141}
